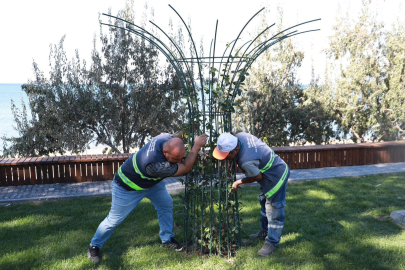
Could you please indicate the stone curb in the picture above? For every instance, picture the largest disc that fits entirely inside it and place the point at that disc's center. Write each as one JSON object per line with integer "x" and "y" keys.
{"x": 398, "y": 216}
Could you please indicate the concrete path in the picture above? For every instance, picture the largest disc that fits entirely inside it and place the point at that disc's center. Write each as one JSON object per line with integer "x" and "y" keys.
{"x": 14, "y": 194}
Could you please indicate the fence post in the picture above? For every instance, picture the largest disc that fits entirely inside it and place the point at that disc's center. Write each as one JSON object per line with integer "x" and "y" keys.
{"x": 26, "y": 165}
{"x": 21, "y": 176}
{"x": 3, "y": 169}
{"x": 8, "y": 173}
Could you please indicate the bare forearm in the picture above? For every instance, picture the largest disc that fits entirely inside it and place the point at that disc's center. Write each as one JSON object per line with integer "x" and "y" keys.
{"x": 191, "y": 157}
{"x": 246, "y": 180}
{"x": 187, "y": 164}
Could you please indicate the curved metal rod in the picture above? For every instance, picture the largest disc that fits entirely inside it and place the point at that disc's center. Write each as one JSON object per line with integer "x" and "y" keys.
{"x": 211, "y": 85}
{"x": 141, "y": 34}
{"x": 247, "y": 66}
{"x": 207, "y": 57}
{"x": 313, "y": 30}
{"x": 179, "y": 72}
{"x": 242, "y": 31}
{"x": 213, "y": 56}
{"x": 238, "y": 64}
{"x": 219, "y": 71}
{"x": 235, "y": 57}
{"x": 184, "y": 60}
{"x": 254, "y": 58}
{"x": 244, "y": 53}
{"x": 258, "y": 52}
{"x": 198, "y": 62}
{"x": 210, "y": 135}
{"x": 264, "y": 47}
{"x": 284, "y": 31}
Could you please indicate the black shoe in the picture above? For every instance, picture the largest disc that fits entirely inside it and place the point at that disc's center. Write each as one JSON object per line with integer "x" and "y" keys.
{"x": 266, "y": 250}
{"x": 261, "y": 235}
{"x": 94, "y": 254}
{"x": 173, "y": 244}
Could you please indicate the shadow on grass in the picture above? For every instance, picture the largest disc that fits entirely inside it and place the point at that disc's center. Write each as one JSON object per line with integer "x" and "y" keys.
{"x": 333, "y": 223}
{"x": 38, "y": 236}
{"x": 329, "y": 225}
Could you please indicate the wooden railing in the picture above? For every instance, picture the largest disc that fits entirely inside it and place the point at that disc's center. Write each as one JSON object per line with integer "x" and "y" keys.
{"x": 60, "y": 169}
{"x": 90, "y": 168}
{"x": 336, "y": 155}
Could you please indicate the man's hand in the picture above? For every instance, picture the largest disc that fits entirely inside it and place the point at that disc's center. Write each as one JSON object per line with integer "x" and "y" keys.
{"x": 201, "y": 140}
{"x": 246, "y": 180}
{"x": 235, "y": 186}
{"x": 187, "y": 164}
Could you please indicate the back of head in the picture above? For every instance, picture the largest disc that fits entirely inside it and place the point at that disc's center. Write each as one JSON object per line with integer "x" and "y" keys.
{"x": 174, "y": 146}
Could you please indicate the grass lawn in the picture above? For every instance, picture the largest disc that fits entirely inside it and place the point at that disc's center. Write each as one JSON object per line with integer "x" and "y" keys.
{"x": 335, "y": 224}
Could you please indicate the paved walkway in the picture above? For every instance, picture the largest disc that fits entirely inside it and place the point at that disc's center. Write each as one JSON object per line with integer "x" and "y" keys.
{"x": 13, "y": 194}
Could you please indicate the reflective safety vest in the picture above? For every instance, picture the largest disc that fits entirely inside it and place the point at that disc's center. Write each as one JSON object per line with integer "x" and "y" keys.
{"x": 132, "y": 174}
{"x": 275, "y": 171}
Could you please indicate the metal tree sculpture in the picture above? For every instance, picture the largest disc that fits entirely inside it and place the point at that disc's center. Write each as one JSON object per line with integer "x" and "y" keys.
{"x": 211, "y": 212}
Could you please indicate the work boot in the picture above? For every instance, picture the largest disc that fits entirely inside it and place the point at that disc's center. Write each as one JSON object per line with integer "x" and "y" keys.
{"x": 173, "y": 244}
{"x": 94, "y": 254}
{"x": 261, "y": 235}
{"x": 266, "y": 250}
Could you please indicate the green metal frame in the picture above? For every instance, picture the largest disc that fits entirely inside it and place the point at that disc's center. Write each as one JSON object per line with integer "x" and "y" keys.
{"x": 211, "y": 212}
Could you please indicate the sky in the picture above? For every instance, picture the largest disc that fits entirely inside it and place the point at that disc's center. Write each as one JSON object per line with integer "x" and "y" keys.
{"x": 28, "y": 28}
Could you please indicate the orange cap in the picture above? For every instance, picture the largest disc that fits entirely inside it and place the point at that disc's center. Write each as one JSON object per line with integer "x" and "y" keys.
{"x": 219, "y": 155}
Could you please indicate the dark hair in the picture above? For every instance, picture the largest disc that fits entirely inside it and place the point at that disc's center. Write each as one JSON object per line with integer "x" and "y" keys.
{"x": 231, "y": 152}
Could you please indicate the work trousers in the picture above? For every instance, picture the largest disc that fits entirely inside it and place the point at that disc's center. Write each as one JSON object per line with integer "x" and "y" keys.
{"x": 124, "y": 201}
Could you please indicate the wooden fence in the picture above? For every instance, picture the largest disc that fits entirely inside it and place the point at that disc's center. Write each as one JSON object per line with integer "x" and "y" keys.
{"x": 336, "y": 155}
{"x": 90, "y": 168}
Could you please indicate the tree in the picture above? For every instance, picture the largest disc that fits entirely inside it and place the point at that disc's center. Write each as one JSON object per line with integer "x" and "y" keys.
{"x": 274, "y": 106}
{"x": 124, "y": 97}
{"x": 361, "y": 86}
{"x": 369, "y": 92}
{"x": 392, "y": 121}
{"x": 318, "y": 125}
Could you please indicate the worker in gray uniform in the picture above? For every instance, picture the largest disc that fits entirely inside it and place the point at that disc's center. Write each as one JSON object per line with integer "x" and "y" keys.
{"x": 261, "y": 164}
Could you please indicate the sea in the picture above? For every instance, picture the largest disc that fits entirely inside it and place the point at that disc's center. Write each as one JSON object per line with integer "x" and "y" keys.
{"x": 10, "y": 92}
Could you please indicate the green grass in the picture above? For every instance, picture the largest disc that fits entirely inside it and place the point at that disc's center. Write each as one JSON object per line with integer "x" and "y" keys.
{"x": 334, "y": 224}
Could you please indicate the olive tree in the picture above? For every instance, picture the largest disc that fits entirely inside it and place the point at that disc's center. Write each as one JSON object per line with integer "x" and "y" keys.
{"x": 274, "y": 105}
{"x": 126, "y": 95}
{"x": 356, "y": 51}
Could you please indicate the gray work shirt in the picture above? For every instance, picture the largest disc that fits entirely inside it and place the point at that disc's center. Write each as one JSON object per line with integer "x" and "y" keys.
{"x": 251, "y": 168}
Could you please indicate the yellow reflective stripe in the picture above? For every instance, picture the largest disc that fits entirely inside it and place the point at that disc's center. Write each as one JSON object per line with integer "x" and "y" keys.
{"x": 138, "y": 171}
{"x": 270, "y": 163}
{"x": 279, "y": 184}
{"x": 127, "y": 181}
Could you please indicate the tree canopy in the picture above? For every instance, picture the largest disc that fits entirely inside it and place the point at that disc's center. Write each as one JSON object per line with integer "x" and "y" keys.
{"x": 274, "y": 107}
{"x": 127, "y": 93}
{"x": 368, "y": 94}
{"x": 125, "y": 96}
